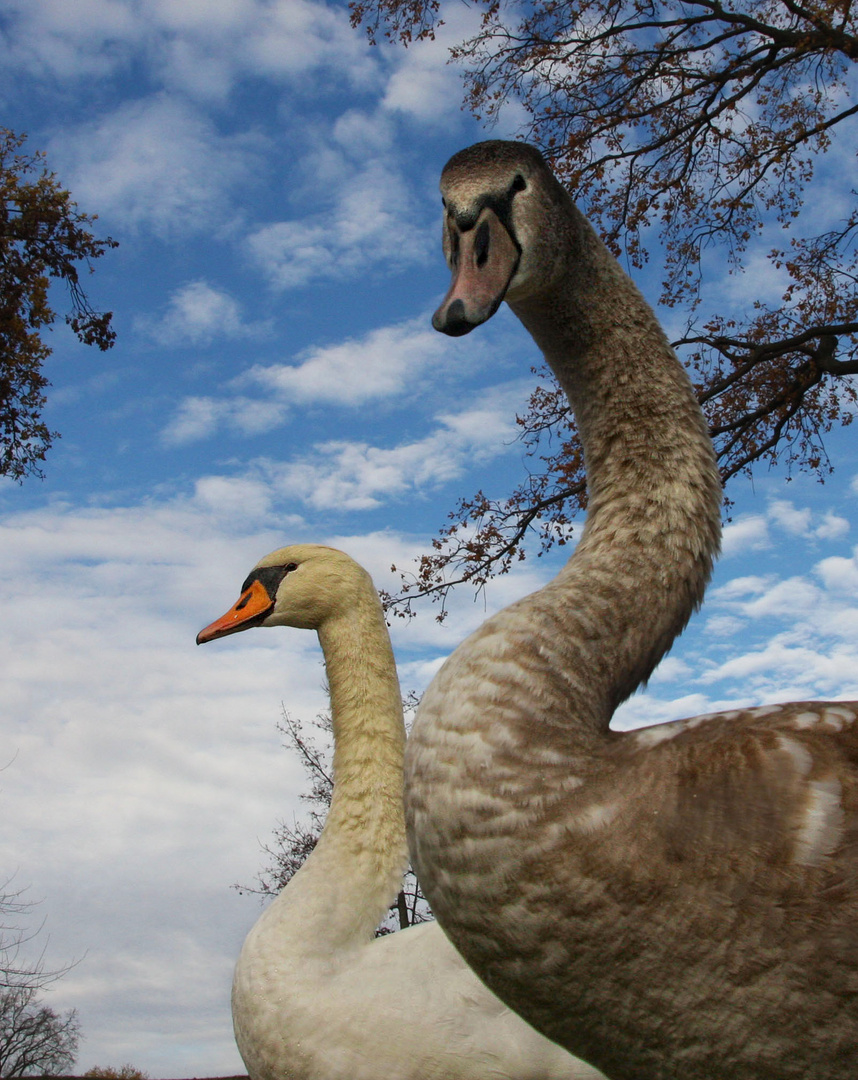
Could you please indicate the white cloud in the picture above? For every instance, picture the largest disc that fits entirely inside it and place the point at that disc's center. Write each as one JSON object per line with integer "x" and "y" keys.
{"x": 812, "y": 597}
{"x": 144, "y": 768}
{"x": 200, "y": 417}
{"x": 425, "y": 91}
{"x": 198, "y": 313}
{"x": 352, "y": 474}
{"x": 156, "y": 163}
{"x": 374, "y": 222}
{"x": 723, "y": 626}
{"x": 233, "y": 497}
{"x": 70, "y": 41}
{"x": 763, "y": 638}
{"x": 789, "y": 518}
{"x": 426, "y": 86}
{"x": 210, "y": 20}
{"x": 357, "y": 476}
{"x": 384, "y": 363}
{"x": 196, "y": 418}
{"x": 670, "y": 669}
{"x": 644, "y": 709}
{"x": 747, "y": 532}
{"x": 291, "y": 253}
{"x": 759, "y": 277}
{"x": 785, "y": 670}
{"x": 750, "y": 584}
{"x": 800, "y": 522}
{"x": 794, "y": 637}
{"x": 752, "y": 532}
{"x": 356, "y": 209}
{"x": 202, "y": 47}
{"x": 358, "y": 134}
{"x": 783, "y": 598}
{"x": 840, "y": 574}
{"x": 290, "y": 38}
{"x": 833, "y": 527}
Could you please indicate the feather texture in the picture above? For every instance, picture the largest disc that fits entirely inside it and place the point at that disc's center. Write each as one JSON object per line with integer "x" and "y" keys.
{"x": 315, "y": 995}
{"x": 679, "y": 902}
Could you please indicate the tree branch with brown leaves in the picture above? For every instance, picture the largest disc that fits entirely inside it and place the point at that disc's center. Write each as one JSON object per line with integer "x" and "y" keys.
{"x": 694, "y": 129}
{"x": 42, "y": 236}
{"x": 765, "y": 400}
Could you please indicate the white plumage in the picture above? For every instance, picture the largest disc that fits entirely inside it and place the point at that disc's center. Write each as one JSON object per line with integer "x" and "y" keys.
{"x": 316, "y": 996}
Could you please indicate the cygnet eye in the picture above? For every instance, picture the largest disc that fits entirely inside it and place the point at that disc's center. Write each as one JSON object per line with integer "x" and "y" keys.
{"x": 518, "y": 184}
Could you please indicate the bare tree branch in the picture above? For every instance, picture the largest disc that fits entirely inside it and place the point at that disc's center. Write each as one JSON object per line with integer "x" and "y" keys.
{"x": 294, "y": 843}
{"x": 682, "y": 127}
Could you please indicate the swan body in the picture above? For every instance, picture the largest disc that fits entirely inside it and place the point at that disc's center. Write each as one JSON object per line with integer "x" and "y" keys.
{"x": 315, "y": 995}
{"x": 679, "y": 901}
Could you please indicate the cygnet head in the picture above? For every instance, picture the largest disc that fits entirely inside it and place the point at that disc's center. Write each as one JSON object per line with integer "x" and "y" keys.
{"x": 501, "y": 230}
{"x": 301, "y": 585}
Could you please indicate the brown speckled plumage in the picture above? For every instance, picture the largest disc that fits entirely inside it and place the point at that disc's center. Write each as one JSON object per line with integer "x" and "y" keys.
{"x": 680, "y": 902}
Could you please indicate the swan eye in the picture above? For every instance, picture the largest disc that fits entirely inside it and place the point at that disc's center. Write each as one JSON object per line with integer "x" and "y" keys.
{"x": 269, "y": 577}
{"x": 518, "y": 184}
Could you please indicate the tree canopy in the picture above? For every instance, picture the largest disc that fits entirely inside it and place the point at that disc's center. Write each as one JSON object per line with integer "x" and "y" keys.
{"x": 695, "y": 129}
{"x": 42, "y": 236}
{"x": 111, "y": 1072}
{"x": 34, "y": 1039}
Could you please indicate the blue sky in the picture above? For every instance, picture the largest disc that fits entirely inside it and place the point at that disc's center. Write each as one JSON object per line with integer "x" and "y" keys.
{"x": 272, "y": 181}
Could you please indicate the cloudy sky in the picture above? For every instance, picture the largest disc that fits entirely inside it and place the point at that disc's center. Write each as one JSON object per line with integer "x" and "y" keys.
{"x": 272, "y": 181}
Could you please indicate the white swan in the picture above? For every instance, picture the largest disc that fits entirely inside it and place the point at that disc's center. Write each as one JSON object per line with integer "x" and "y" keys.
{"x": 315, "y": 996}
{"x": 680, "y": 901}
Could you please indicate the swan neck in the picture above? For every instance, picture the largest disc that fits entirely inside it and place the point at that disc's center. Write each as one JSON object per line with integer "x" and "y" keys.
{"x": 352, "y": 876}
{"x": 367, "y": 720}
{"x": 654, "y": 494}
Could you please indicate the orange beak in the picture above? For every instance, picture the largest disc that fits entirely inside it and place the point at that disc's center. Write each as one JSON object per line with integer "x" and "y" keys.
{"x": 252, "y": 607}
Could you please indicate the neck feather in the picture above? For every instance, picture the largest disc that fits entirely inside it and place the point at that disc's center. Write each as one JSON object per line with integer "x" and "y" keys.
{"x": 346, "y": 885}
{"x": 570, "y": 653}
{"x": 653, "y": 524}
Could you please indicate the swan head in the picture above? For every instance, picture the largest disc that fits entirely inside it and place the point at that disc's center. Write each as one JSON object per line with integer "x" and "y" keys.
{"x": 303, "y": 585}
{"x": 501, "y": 230}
